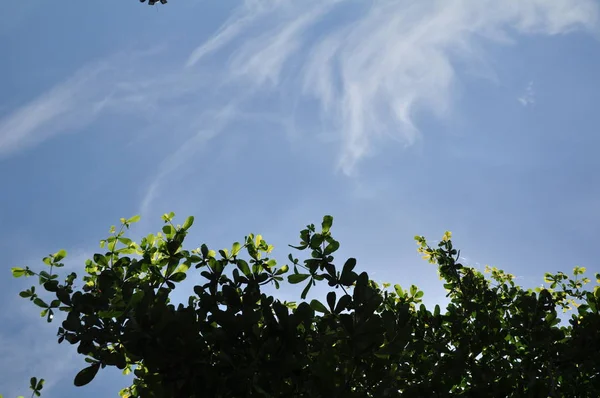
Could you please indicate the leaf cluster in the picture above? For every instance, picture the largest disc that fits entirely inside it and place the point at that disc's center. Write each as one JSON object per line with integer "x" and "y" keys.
{"x": 233, "y": 339}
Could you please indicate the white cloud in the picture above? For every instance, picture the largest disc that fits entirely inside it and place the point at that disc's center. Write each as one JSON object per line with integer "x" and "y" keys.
{"x": 528, "y": 97}
{"x": 116, "y": 85}
{"x": 48, "y": 114}
{"x": 369, "y": 66}
{"x": 372, "y": 72}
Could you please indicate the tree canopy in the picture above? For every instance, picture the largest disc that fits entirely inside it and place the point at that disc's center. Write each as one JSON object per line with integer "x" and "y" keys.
{"x": 233, "y": 339}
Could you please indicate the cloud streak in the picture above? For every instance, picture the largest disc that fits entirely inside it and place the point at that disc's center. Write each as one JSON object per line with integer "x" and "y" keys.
{"x": 372, "y": 72}
{"x": 369, "y": 68}
{"x": 117, "y": 85}
{"x": 50, "y": 113}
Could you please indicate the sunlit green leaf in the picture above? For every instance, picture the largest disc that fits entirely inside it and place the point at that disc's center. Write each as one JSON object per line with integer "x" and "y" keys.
{"x": 188, "y": 223}
{"x": 327, "y": 223}
{"x": 235, "y": 249}
{"x": 399, "y": 290}
{"x": 17, "y": 272}
{"x": 61, "y": 254}
{"x": 134, "y": 219}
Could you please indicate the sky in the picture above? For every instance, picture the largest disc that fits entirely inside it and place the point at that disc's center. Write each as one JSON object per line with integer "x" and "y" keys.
{"x": 399, "y": 118}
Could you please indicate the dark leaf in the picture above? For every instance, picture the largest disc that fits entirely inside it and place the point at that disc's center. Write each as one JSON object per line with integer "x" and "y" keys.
{"x": 178, "y": 276}
{"x": 86, "y": 375}
{"x": 243, "y": 266}
{"x": 318, "y": 306}
{"x": 297, "y": 278}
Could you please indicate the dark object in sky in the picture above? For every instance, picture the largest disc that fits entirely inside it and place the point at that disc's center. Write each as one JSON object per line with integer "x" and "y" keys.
{"x": 152, "y": 2}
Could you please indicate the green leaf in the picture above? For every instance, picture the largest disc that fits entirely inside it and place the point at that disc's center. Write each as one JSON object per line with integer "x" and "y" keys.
{"x": 125, "y": 241}
{"x": 63, "y": 296}
{"x": 134, "y": 219}
{"x": 331, "y": 296}
{"x": 327, "y": 223}
{"x": 235, "y": 249}
{"x": 183, "y": 267}
{"x": 243, "y": 266}
{"x": 331, "y": 247}
{"x": 168, "y": 230}
{"x": 551, "y": 317}
{"x": 40, "y": 303}
{"x": 413, "y": 290}
{"x": 17, "y": 272}
{"x": 168, "y": 217}
{"x": 343, "y": 303}
{"x": 297, "y": 278}
{"x": 316, "y": 241}
{"x": 306, "y": 289}
{"x": 188, "y": 223}
{"x": 51, "y": 286}
{"x": 318, "y": 306}
{"x": 100, "y": 260}
{"x": 399, "y": 290}
{"x": 59, "y": 255}
{"x": 349, "y": 265}
{"x": 204, "y": 250}
{"x": 271, "y": 263}
{"x": 86, "y": 375}
{"x": 44, "y": 276}
{"x": 178, "y": 277}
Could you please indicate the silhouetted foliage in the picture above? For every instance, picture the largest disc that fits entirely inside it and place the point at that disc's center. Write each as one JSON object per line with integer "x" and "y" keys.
{"x": 231, "y": 339}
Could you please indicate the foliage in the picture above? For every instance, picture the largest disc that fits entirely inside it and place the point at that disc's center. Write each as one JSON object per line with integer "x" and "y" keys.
{"x": 232, "y": 339}
{"x": 35, "y": 386}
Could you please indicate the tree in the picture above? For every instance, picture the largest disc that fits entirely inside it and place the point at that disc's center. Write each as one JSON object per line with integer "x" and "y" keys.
{"x": 231, "y": 339}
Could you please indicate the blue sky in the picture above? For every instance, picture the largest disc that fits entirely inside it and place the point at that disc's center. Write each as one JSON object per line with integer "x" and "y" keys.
{"x": 396, "y": 117}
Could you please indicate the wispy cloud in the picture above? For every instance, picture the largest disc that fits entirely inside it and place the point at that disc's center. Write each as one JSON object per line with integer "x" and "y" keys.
{"x": 50, "y": 113}
{"x": 528, "y": 97}
{"x": 115, "y": 85}
{"x": 372, "y": 72}
{"x": 369, "y": 67}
